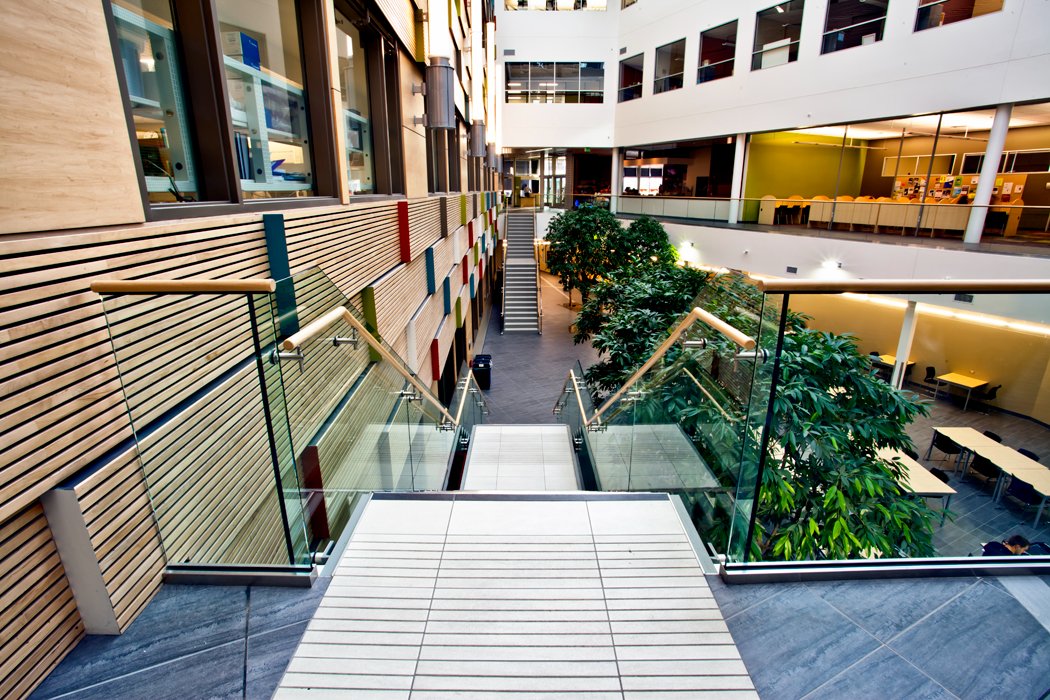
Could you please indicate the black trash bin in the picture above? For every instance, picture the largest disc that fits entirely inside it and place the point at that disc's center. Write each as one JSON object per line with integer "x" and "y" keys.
{"x": 482, "y": 366}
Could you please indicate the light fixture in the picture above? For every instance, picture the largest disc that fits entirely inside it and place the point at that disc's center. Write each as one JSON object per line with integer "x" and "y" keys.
{"x": 780, "y": 9}
{"x": 441, "y": 106}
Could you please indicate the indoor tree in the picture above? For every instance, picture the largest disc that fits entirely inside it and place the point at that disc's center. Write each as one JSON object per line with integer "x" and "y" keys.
{"x": 577, "y": 241}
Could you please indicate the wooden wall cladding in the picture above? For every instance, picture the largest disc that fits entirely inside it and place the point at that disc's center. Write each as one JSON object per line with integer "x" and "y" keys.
{"x": 61, "y": 405}
{"x": 398, "y": 296}
{"x": 401, "y": 15}
{"x": 444, "y": 257}
{"x": 453, "y": 216}
{"x": 42, "y": 91}
{"x": 123, "y": 534}
{"x": 424, "y": 224}
{"x": 426, "y": 322}
{"x": 39, "y": 623}
{"x": 353, "y": 246}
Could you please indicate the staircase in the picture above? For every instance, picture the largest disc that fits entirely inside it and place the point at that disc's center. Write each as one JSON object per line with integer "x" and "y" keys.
{"x": 522, "y": 312}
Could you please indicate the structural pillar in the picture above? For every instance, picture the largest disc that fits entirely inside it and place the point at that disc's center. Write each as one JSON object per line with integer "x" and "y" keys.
{"x": 616, "y": 181}
{"x": 989, "y": 169}
{"x": 904, "y": 346}
{"x": 740, "y": 143}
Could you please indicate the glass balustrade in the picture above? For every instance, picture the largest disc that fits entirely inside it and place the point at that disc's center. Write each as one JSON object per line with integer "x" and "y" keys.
{"x": 254, "y": 453}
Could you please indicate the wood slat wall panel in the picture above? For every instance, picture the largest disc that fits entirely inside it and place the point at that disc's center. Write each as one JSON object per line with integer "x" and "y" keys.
{"x": 123, "y": 533}
{"x": 452, "y": 213}
{"x": 353, "y": 248}
{"x": 401, "y": 15}
{"x": 443, "y": 258}
{"x": 60, "y": 398}
{"x": 427, "y": 322}
{"x": 39, "y": 623}
{"x": 424, "y": 224}
{"x": 399, "y": 295}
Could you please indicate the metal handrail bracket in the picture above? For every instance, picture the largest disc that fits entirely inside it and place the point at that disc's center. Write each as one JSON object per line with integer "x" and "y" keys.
{"x": 318, "y": 326}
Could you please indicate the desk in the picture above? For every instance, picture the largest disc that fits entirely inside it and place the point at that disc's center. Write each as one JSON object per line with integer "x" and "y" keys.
{"x": 890, "y": 361}
{"x": 919, "y": 480}
{"x": 1006, "y": 459}
{"x": 962, "y": 381}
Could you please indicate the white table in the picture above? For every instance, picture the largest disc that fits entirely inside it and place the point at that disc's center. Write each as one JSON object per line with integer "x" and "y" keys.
{"x": 917, "y": 479}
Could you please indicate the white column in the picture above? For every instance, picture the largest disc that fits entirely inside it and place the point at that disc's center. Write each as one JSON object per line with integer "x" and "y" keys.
{"x": 989, "y": 169}
{"x": 904, "y": 346}
{"x": 738, "y": 178}
{"x": 616, "y": 182}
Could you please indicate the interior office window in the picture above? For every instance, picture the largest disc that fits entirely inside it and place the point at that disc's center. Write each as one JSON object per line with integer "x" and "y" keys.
{"x": 670, "y": 66}
{"x": 353, "y": 84}
{"x": 717, "y": 50}
{"x": 631, "y": 78}
{"x": 934, "y": 13}
{"x": 627, "y": 3}
{"x": 777, "y": 30}
{"x": 148, "y": 54}
{"x": 541, "y": 82}
{"x": 550, "y": 5}
{"x": 264, "y": 76}
{"x": 853, "y": 23}
{"x": 592, "y": 83}
{"x": 517, "y": 83}
{"x": 545, "y": 82}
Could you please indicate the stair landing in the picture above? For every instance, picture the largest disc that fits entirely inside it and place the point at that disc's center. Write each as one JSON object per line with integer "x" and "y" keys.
{"x": 520, "y": 458}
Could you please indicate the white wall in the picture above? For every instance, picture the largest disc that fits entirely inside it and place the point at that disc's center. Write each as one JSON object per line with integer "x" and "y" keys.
{"x": 987, "y": 60}
{"x": 557, "y": 36}
{"x": 772, "y": 253}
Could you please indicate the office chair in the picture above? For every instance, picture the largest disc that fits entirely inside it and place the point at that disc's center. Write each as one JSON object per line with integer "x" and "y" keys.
{"x": 994, "y": 436}
{"x": 983, "y": 469}
{"x": 931, "y": 377}
{"x": 1022, "y": 492}
{"x": 1029, "y": 454}
{"x": 911, "y": 453}
{"x": 985, "y": 396}
{"x": 945, "y": 444}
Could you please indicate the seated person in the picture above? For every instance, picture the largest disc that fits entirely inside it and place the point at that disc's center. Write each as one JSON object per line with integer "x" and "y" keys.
{"x": 1017, "y": 544}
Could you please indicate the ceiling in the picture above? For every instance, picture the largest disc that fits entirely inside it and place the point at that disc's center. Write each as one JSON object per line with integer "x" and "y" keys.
{"x": 954, "y": 123}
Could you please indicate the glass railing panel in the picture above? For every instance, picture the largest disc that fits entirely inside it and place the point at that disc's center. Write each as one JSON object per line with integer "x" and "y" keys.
{"x": 210, "y": 445}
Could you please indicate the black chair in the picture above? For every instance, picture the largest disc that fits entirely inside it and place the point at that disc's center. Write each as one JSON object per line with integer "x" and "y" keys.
{"x": 1029, "y": 454}
{"x": 981, "y": 468}
{"x": 931, "y": 378}
{"x": 911, "y": 453}
{"x": 940, "y": 474}
{"x": 945, "y": 444}
{"x": 1022, "y": 492}
{"x": 985, "y": 396}
{"x": 875, "y": 353}
{"x": 994, "y": 436}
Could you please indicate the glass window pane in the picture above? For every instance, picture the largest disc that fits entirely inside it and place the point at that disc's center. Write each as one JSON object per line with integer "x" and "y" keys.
{"x": 717, "y": 52}
{"x": 517, "y": 82}
{"x": 631, "y": 78}
{"x": 777, "y": 30}
{"x": 934, "y": 13}
{"x": 353, "y": 83}
{"x": 567, "y": 77}
{"x": 1031, "y": 162}
{"x": 264, "y": 73}
{"x": 852, "y": 23}
{"x": 146, "y": 43}
{"x": 670, "y": 63}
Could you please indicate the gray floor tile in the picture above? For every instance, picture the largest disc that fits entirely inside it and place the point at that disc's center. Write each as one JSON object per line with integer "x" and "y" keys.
{"x": 180, "y": 620}
{"x": 268, "y": 656}
{"x": 273, "y": 607}
{"x": 214, "y": 674}
{"x": 794, "y": 642}
{"x": 887, "y": 608}
{"x": 879, "y": 676}
{"x": 983, "y": 644}
{"x": 732, "y": 600}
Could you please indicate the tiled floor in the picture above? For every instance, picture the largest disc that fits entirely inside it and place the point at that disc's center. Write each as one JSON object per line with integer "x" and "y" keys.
{"x": 575, "y": 597}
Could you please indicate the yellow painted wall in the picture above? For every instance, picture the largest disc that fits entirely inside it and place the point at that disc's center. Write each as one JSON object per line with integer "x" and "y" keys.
{"x": 1019, "y": 361}
{"x": 779, "y": 166}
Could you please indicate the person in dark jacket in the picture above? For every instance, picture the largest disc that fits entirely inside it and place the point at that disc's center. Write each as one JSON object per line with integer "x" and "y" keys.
{"x": 1017, "y": 544}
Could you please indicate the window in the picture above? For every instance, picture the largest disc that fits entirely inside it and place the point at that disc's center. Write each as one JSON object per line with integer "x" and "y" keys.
{"x": 627, "y": 3}
{"x": 717, "y": 50}
{"x": 353, "y": 84}
{"x": 631, "y": 78}
{"x": 943, "y": 164}
{"x": 545, "y": 82}
{"x": 670, "y": 66}
{"x": 777, "y": 30}
{"x": 264, "y": 77}
{"x": 934, "y": 13}
{"x": 146, "y": 44}
{"x": 853, "y": 23}
{"x": 556, "y": 5}
{"x": 1036, "y": 161}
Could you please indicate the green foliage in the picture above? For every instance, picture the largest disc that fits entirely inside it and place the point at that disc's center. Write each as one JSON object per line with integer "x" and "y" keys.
{"x": 588, "y": 245}
{"x": 577, "y": 241}
{"x": 625, "y": 320}
{"x": 825, "y": 491}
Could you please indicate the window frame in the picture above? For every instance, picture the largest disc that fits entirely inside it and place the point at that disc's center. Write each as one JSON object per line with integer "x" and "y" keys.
{"x": 701, "y": 68}
{"x": 641, "y": 79}
{"x": 924, "y": 4}
{"x": 829, "y": 32}
{"x": 208, "y": 113}
{"x": 792, "y": 45}
{"x": 667, "y": 82}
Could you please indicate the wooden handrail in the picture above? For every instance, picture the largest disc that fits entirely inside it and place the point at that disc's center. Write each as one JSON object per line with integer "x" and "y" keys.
{"x": 579, "y": 401}
{"x": 903, "y": 286}
{"x": 463, "y": 399}
{"x": 186, "y": 286}
{"x": 697, "y": 314}
{"x": 318, "y": 325}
